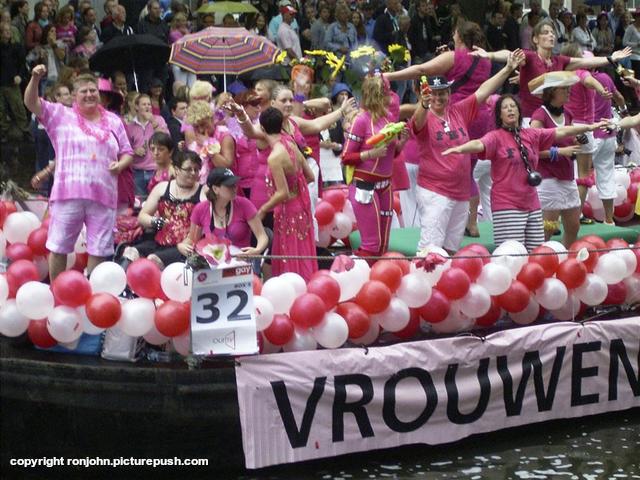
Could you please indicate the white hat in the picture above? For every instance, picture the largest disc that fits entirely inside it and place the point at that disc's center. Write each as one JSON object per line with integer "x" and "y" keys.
{"x": 551, "y": 80}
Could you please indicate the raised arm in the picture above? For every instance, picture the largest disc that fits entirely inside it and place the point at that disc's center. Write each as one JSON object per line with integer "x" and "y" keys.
{"x": 492, "y": 84}
{"x": 501, "y": 56}
{"x": 594, "y": 62}
{"x": 474, "y": 146}
{"x": 248, "y": 128}
{"x": 562, "y": 132}
{"x": 436, "y": 66}
{"x": 31, "y": 97}
{"x": 315, "y": 126}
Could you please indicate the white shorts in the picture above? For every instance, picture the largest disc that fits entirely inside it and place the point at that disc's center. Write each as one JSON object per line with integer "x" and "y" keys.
{"x": 442, "y": 219}
{"x": 557, "y": 194}
{"x": 604, "y": 165}
{"x": 589, "y": 147}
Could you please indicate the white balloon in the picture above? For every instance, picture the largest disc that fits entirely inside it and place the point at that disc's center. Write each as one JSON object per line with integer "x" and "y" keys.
{"x": 4, "y": 289}
{"x": 12, "y": 322}
{"x": 593, "y": 291}
{"x": 552, "y": 294}
{"x": 361, "y": 267}
{"x": 495, "y": 278}
{"x": 263, "y": 310}
{"x": 324, "y": 238}
{"x": 42, "y": 265}
{"x": 413, "y": 290}
{"x": 182, "y": 343}
{"x": 611, "y": 268}
{"x": 528, "y": 315}
{"x": 512, "y": 256}
{"x": 456, "y": 321}
{"x": 154, "y": 337}
{"x": 371, "y": 336}
{"x": 630, "y": 261}
{"x": 351, "y": 281}
{"x": 633, "y": 288}
{"x": 296, "y": 281}
{"x": 332, "y": 332}
{"x": 621, "y": 195}
{"x": 431, "y": 278}
{"x": 64, "y": 324}
{"x": 108, "y": 277}
{"x": 348, "y": 211}
{"x": 558, "y": 248}
{"x": 300, "y": 342}
{"x": 395, "y": 317}
{"x": 17, "y": 227}
{"x": 569, "y": 310}
{"x": 280, "y": 293}
{"x": 35, "y": 300}
{"x": 342, "y": 226}
{"x": 593, "y": 198}
{"x": 3, "y": 244}
{"x": 173, "y": 281}
{"x": 137, "y": 317}
{"x": 33, "y": 219}
{"x": 622, "y": 177}
{"x": 476, "y": 302}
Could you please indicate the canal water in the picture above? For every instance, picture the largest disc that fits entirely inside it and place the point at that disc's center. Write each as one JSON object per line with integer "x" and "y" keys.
{"x": 592, "y": 448}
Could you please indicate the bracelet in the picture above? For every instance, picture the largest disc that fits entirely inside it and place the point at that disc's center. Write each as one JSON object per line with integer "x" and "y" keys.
{"x": 299, "y": 98}
{"x": 426, "y": 107}
{"x": 553, "y": 153}
{"x": 610, "y": 60}
{"x": 246, "y": 118}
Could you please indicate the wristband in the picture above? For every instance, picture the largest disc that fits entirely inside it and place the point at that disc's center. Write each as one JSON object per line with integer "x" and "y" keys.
{"x": 426, "y": 107}
{"x": 553, "y": 153}
{"x": 610, "y": 60}
{"x": 299, "y": 98}
{"x": 352, "y": 158}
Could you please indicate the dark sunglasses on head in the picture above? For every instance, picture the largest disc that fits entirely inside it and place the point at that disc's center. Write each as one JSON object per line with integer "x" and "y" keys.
{"x": 254, "y": 102}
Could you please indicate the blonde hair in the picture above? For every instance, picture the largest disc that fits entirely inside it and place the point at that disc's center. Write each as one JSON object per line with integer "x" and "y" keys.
{"x": 198, "y": 111}
{"x": 571, "y": 49}
{"x": 200, "y": 90}
{"x": 374, "y": 99}
{"x": 176, "y": 18}
{"x": 223, "y": 98}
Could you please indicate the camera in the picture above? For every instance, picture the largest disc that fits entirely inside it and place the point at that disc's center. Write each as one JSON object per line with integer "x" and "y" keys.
{"x": 534, "y": 178}
{"x": 582, "y": 139}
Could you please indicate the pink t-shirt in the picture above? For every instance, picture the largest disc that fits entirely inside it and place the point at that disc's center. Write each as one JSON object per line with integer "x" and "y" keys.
{"x": 562, "y": 169}
{"x": 139, "y": 136}
{"x": 451, "y": 175}
{"x": 238, "y": 230}
{"x": 67, "y": 34}
{"x": 462, "y": 61}
{"x": 510, "y": 190}
{"x": 602, "y": 106}
{"x": 82, "y": 162}
{"x": 581, "y": 100}
{"x": 412, "y": 149}
{"x": 246, "y": 160}
{"x": 533, "y": 68}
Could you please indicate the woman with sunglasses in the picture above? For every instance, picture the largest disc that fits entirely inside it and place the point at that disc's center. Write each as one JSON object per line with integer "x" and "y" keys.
{"x": 167, "y": 212}
{"x": 514, "y": 152}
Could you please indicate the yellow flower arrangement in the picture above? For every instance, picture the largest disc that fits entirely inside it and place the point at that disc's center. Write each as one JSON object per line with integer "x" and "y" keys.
{"x": 363, "y": 51}
{"x": 281, "y": 57}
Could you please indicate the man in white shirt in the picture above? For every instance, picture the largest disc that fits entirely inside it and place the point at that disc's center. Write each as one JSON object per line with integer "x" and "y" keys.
{"x": 288, "y": 39}
{"x": 275, "y": 22}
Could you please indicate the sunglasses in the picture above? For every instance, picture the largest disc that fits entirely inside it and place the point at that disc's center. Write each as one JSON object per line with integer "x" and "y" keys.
{"x": 254, "y": 101}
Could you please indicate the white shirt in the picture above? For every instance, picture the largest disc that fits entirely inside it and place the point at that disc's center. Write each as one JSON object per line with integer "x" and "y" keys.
{"x": 288, "y": 39}
{"x": 632, "y": 39}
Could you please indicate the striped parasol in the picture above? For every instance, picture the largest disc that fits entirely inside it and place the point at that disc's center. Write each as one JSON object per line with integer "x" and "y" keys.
{"x": 222, "y": 50}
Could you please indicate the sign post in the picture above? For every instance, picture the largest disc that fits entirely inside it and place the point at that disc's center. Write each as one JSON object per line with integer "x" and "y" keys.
{"x": 222, "y": 317}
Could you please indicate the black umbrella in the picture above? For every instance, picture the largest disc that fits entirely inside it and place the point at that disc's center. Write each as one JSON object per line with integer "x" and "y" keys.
{"x": 128, "y": 52}
{"x": 272, "y": 72}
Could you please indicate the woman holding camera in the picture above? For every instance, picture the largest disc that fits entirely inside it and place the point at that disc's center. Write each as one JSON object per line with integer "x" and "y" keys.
{"x": 514, "y": 152}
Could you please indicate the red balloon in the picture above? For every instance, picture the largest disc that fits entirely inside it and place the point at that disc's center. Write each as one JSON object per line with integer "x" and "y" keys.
{"x": 18, "y": 251}
{"x": 143, "y": 276}
{"x": 617, "y": 243}
{"x": 357, "y": 318}
{"x": 624, "y": 209}
{"x": 454, "y": 283}
{"x": 3, "y": 213}
{"x": 324, "y": 213}
{"x": 307, "y": 311}
{"x": 436, "y": 309}
{"x": 81, "y": 262}
{"x": 45, "y": 222}
{"x": 532, "y": 275}
{"x": 327, "y": 288}
{"x": 71, "y": 288}
{"x": 39, "y": 334}
{"x": 595, "y": 240}
{"x": 592, "y": 259}
{"x": 492, "y": 316}
{"x": 587, "y": 210}
{"x": 257, "y": 284}
{"x": 471, "y": 266}
{"x": 10, "y": 207}
{"x": 632, "y": 192}
{"x": 335, "y": 197}
{"x": 616, "y": 295}
{"x": 480, "y": 250}
{"x": 280, "y": 331}
{"x": 103, "y": 310}
{"x": 516, "y": 298}
{"x": 397, "y": 206}
{"x": 19, "y": 273}
{"x": 635, "y": 175}
{"x": 404, "y": 265}
{"x": 320, "y": 273}
{"x": 37, "y": 241}
{"x": 172, "y": 318}
{"x": 548, "y": 260}
{"x": 374, "y": 296}
{"x": 572, "y": 273}
{"x": 388, "y": 273}
{"x": 412, "y": 327}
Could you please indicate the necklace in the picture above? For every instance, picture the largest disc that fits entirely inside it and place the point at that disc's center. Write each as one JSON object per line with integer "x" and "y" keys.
{"x": 547, "y": 61}
{"x": 101, "y": 134}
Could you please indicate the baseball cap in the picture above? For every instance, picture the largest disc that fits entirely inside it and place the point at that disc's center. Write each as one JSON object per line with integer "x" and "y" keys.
{"x": 222, "y": 176}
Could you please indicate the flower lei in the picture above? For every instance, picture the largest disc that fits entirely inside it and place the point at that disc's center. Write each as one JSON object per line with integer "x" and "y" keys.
{"x": 103, "y": 131}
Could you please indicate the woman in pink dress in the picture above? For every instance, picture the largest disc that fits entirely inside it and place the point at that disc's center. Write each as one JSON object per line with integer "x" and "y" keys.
{"x": 287, "y": 181}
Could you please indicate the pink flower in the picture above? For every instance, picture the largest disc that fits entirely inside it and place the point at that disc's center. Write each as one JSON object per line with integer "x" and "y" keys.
{"x": 214, "y": 249}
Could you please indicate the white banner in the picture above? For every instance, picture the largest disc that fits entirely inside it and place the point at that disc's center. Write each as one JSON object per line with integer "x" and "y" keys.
{"x": 306, "y": 405}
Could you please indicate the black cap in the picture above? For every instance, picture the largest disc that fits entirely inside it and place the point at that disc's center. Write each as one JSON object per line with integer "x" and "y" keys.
{"x": 438, "y": 82}
{"x": 222, "y": 176}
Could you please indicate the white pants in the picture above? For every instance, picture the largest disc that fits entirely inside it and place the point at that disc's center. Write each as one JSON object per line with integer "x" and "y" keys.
{"x": 482, "y": 176}
{"x": 442, "y": 220}
{"x": 604, "y": 165}
{"x": 409, "y": 199}
{"x": 557, "y": 194}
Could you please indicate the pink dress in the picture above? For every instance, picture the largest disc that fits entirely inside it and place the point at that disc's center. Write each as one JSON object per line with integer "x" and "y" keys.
{"x": 200, "y": 148}
{"x": 293, "y": 225}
